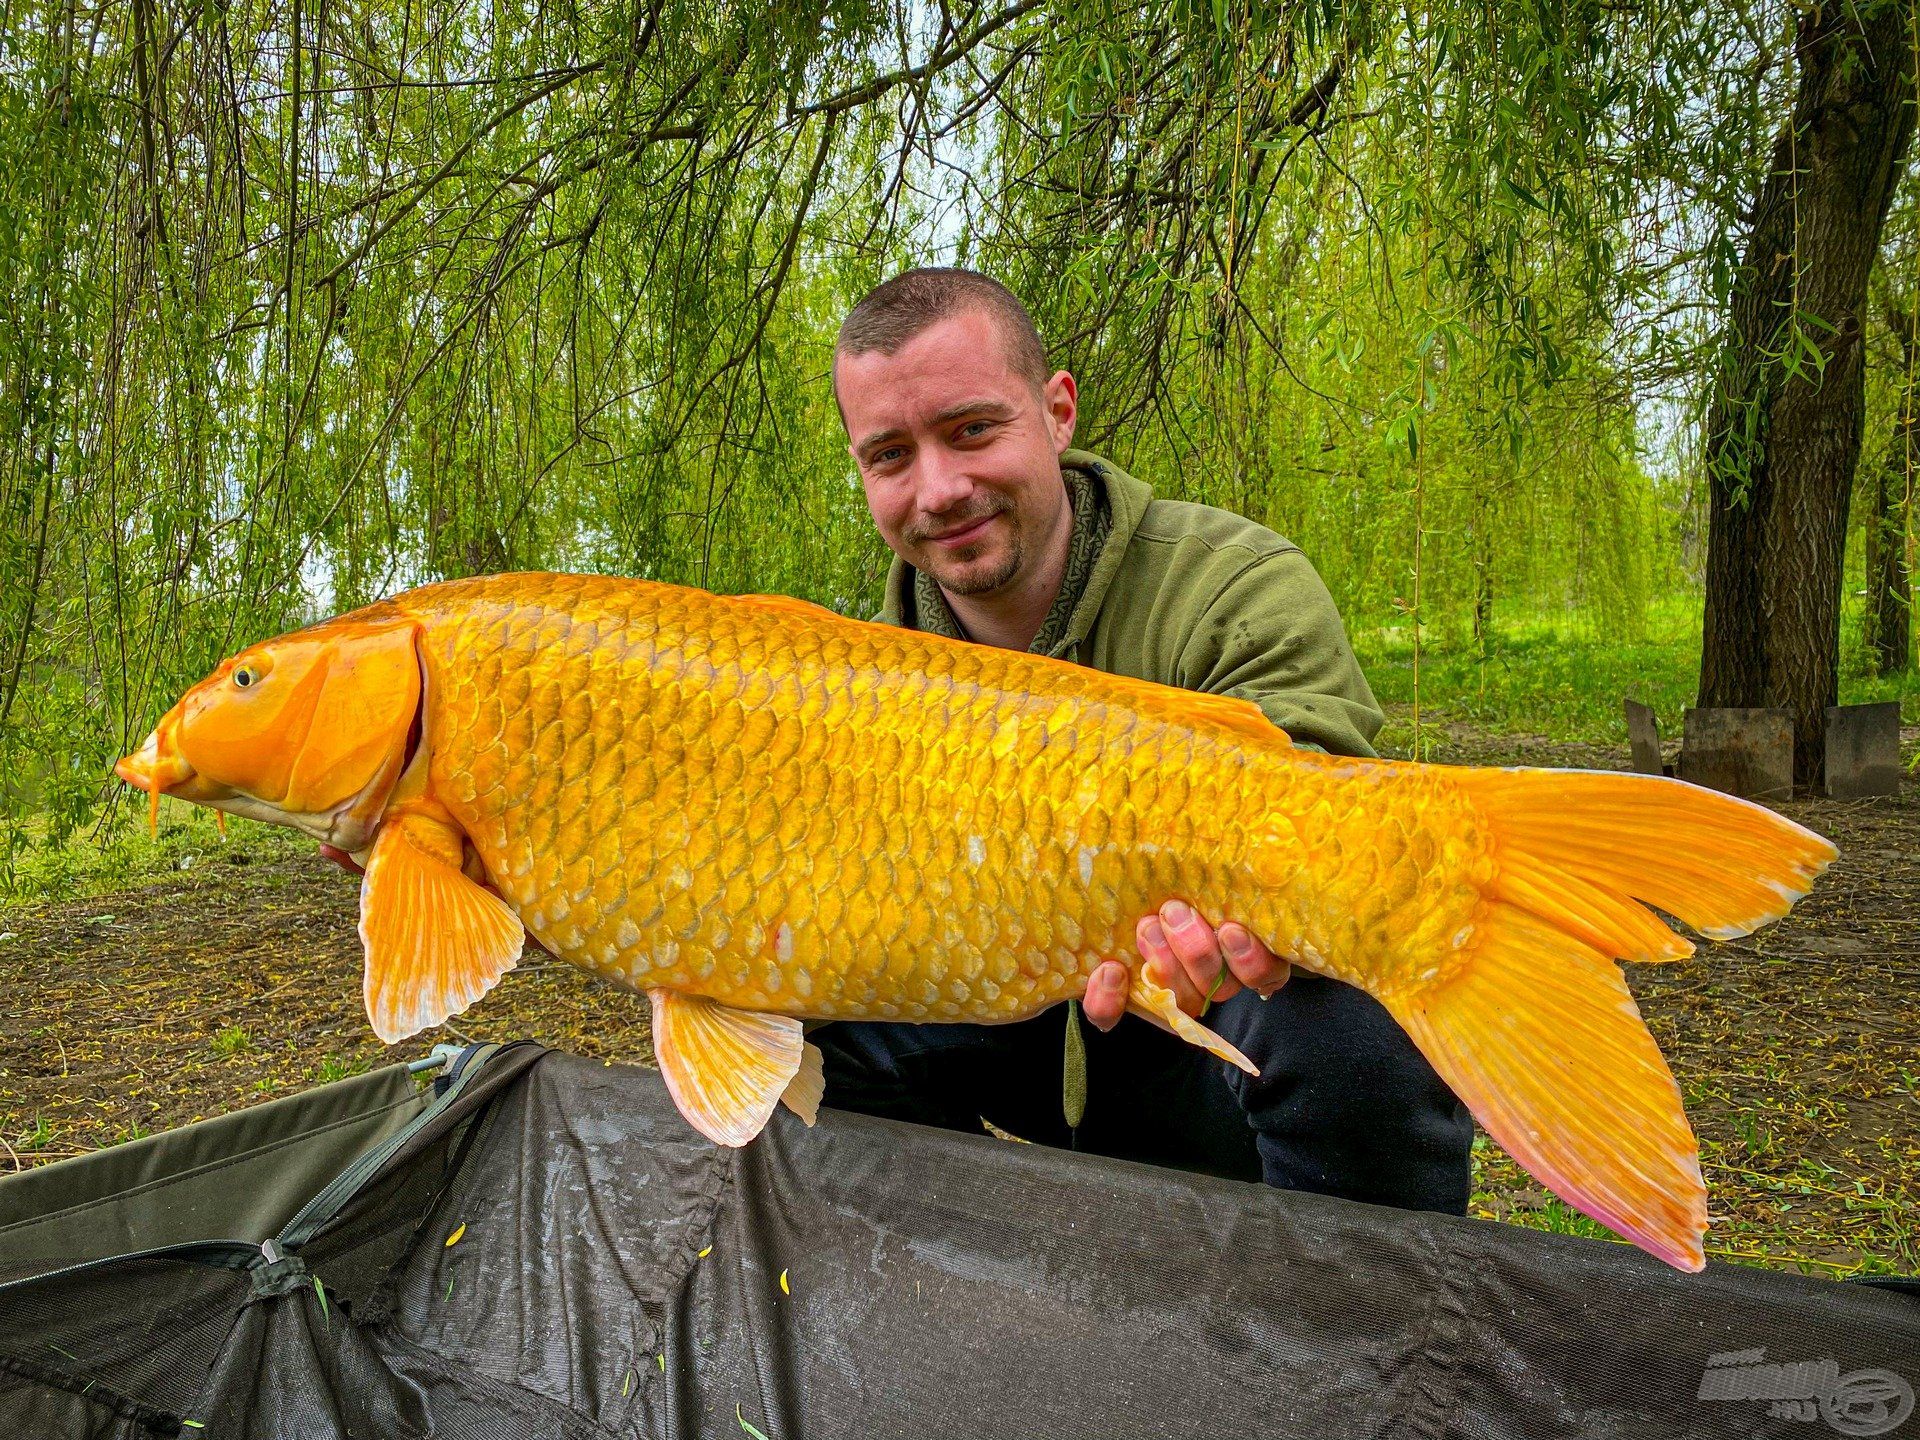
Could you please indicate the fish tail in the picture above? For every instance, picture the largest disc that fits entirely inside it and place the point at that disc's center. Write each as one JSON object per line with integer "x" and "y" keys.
{"x": 1597, "y": 841}
{"x": 1537, "y": 1032}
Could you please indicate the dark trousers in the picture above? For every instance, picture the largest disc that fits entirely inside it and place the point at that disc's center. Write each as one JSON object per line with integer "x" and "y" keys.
{"x": 1344, "y": 1103}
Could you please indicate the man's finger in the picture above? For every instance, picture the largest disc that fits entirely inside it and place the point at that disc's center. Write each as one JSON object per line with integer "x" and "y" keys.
{"x": 1164, "y": 967}
{"x": 1252, "y": 963}
{"x": 1193, "y": 941}
{"x": 1106, "y": 998}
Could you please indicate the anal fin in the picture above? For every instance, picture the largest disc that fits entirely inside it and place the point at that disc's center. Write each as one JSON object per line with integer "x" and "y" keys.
{"x": 435, "y": 941}
{"x": 727, "y": 1069}
{"x": 808, "y": 1086}
{"x": 1154, "y": 1001}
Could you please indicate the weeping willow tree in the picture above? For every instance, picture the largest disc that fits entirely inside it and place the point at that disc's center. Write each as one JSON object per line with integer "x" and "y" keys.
{"x": 311, "y": 300}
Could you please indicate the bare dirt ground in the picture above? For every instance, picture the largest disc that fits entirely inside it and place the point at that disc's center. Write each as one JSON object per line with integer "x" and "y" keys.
{"x": 1798, "y": 1050}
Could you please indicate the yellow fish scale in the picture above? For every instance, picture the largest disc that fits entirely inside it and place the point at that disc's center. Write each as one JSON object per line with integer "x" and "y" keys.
{"x": 760, "y": 802}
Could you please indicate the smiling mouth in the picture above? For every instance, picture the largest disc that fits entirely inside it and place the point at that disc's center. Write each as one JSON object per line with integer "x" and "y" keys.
{"x": 965, "y": 532}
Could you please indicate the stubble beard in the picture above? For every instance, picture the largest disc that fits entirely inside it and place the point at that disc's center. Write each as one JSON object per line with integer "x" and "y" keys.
{"x": 960, "y": 573}
{"x": 962, "y": 578}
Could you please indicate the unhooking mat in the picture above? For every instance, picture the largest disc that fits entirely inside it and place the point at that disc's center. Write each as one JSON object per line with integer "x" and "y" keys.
{"x": 539, "y": 1246}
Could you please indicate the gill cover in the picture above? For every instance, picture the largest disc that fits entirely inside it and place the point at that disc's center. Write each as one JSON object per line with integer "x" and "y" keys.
{"x": 356, "y": 742}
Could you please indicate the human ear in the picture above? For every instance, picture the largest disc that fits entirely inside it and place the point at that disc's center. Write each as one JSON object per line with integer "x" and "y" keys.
{"x": 1062, "y": 399}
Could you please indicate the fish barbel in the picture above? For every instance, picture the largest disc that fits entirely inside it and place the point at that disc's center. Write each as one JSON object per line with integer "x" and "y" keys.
{"x": 757, "y": 810}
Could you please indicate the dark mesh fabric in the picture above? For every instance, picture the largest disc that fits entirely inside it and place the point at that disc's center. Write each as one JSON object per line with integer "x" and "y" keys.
{"x": 936, "y": 1284}
{"x": 145, "y": 1330}
{"x": 358, "y": 1246}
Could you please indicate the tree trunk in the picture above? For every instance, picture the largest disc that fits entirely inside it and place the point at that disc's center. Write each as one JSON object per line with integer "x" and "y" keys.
{"x": 1889, "y": 584}
{"x": 1483, "y": 576}
{"x": 1784, "y": 431}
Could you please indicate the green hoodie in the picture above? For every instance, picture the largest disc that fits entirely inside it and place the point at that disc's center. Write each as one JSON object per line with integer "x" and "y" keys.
{"x": 1204, "y": 599}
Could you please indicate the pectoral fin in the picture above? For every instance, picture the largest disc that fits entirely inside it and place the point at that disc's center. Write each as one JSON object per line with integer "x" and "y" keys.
{"x": 435, "y": 941}
{"x": 727, "y": 1068}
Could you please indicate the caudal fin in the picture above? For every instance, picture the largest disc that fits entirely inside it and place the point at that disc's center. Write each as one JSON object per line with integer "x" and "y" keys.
{"x": 1587, "y": 843}
{"x": 1540, "y": 1038}
{"x": 1538, "y": 1034}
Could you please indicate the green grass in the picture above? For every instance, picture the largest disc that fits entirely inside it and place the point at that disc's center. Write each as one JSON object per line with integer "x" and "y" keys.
{"x": 120, "y": 852}
{"x": 231, "y": 1041}
{"x": 38, "y": 1138}
{"x": 336, "y": 1068}
{"x": 1564, "y": 675}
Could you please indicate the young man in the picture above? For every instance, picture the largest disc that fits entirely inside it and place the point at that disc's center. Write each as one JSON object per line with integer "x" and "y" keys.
{"x": 1004, "y": 535}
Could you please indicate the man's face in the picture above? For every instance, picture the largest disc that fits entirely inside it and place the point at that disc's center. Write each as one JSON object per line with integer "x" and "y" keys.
{"x": 959, "y": 453}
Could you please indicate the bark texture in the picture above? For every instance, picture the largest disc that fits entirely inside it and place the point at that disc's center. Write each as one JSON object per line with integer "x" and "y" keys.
{"x": 1889, "y": 619}
{"x": 1784, "y": 433}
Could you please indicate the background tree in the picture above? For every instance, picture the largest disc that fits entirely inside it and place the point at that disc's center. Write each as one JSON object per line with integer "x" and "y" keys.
{"x": 1785, "y": 433}
{"x": 309, "y": 300}
{"x": 1887, "y": 525}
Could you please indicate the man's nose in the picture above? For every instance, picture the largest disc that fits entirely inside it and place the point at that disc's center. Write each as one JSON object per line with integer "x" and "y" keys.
{"x": 943, "y": 481}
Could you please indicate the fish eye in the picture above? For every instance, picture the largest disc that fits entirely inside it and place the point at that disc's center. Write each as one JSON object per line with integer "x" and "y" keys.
{"x": 244, "y": 677}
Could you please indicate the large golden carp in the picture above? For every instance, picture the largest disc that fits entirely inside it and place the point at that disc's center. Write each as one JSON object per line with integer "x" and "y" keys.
{"x": 756, "y": 810}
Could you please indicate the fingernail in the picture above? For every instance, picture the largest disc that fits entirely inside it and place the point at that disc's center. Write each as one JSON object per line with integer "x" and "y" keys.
{"x": 1152, "y": 933}
{"x": 1236, "y": 942}
{"x": 1177, "y": 913}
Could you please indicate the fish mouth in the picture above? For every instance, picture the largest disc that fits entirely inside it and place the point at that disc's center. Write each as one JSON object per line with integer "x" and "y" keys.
{"x": 159, "y": 768}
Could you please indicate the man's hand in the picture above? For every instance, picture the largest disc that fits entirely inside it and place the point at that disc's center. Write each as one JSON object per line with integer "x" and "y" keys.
{"x": 1192, "y": 959}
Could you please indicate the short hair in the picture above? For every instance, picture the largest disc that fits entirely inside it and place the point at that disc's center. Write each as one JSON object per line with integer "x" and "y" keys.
{"x": 894, "y": 312}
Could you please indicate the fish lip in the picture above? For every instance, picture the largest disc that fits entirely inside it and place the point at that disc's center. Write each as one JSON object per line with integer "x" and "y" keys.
{"x": 155, "y": 771}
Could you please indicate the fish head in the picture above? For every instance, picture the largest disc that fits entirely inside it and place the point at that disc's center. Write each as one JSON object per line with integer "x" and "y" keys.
{"x": 310, "y": 730}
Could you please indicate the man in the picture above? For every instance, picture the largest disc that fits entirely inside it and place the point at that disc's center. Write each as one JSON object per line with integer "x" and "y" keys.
{"x": 1004, "y": 535}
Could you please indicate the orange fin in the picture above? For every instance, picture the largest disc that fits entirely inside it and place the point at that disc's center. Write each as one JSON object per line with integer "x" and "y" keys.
{"x": 435, "y": 941}
{"x": 1539, "y": 1036}
{"x": 808, "y": 1086}
{"x": 1154, "y": 1001}
{"x": 1616, "y": 926}
{"x": 1724, "y": 866}
{"x": 728, "y": 1068}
